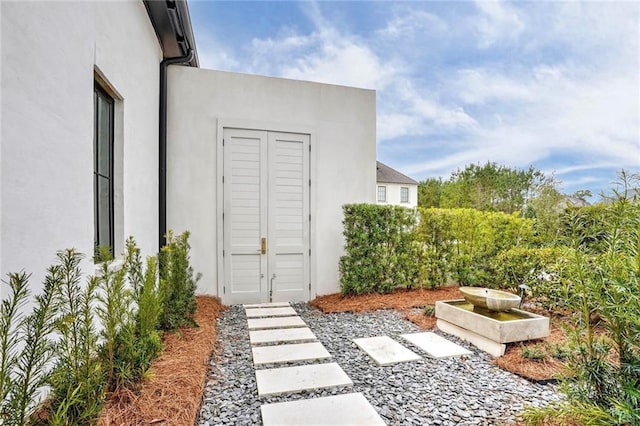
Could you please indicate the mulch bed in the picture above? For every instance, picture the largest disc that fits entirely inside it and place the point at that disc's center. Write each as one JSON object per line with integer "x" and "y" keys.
{"x": 409, "y": 301}
{"x": 400, "y": 300}
{"x": 173, "y": 392}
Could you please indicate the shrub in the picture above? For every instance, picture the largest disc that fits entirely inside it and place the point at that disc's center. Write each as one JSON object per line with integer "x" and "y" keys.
{"x": 534, "y": 353}
{"x": 539, "y": 268}
{"x": 381, "y": 251}
{"x": 429, "y": 310}
{"x": 461, "y": 243}
{"x": 27, "y": 348}
{"x": 78, "y": 380}
{"x": 130, "y": 317}
{"x": 604, "y": 281}
{"x": 177, "y": 283}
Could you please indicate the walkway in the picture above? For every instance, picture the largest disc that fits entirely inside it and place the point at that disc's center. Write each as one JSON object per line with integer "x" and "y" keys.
{"x": 323, "y": 351}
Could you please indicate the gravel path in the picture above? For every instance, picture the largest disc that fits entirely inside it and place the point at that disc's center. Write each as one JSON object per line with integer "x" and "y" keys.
{"x": 465, "y": 390}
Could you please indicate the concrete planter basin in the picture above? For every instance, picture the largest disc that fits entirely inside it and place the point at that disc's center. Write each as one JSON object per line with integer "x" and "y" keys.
{"x": 494, "y": 300}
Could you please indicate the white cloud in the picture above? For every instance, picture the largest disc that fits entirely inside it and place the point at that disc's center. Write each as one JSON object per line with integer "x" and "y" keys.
{"x": 498, "y": 21}
{"x": 411, "y": 23}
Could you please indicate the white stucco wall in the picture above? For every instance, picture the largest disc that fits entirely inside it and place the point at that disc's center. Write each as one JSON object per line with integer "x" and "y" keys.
{"x": 394, "y": 194}
{"x": 49, "y": 53}
{"x": 341, "y": 121}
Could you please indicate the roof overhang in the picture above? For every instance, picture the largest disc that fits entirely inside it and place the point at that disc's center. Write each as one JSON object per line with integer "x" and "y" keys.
{"x": 172, "y": 23}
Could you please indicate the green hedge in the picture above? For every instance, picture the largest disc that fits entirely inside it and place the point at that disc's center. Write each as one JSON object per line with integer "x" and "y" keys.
{"x": 388, "y": 247}
{"x": 461, "y": 243}
{"x": 381, "y": 252}
{"x": 539, "y": 268}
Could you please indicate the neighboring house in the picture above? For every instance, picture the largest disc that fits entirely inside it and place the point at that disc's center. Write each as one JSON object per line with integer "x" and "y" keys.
{"x": 111, "y": 129}
{"x": 395, "y": 188}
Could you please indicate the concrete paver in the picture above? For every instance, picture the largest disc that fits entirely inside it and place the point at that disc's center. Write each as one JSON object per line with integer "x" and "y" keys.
{"x": 277, "y": 322}
{"x": 350, "y": 409}
{"x": 270, "y": 312}
{"x": 267, "y": 305}
{"x": 279, "y": 335}
{"x": 434, "y": 345}
{"x": 386, "y": 351}
{"x": 295, "y": 379}
{"x": 289, "y": 353}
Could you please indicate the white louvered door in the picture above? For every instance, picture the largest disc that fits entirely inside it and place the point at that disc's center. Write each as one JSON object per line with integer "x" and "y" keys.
{"x": 266, "y": 216}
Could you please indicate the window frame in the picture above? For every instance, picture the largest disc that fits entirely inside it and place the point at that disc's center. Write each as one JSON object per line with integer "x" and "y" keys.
{"x": 101, "y": 94}
{"x": 404, "y": 194}
{"x": 383, "y": 189}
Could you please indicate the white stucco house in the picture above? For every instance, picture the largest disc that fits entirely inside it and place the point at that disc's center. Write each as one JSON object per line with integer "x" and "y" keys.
{"x": 110, "y": 128}
{"x": 394, "y": 188}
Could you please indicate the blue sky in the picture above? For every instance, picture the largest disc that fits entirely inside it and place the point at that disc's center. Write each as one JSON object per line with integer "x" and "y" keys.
{"x": 555, "y": 85}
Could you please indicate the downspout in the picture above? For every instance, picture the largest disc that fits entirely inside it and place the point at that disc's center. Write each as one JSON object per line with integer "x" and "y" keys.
{"x": 162, "y": 166}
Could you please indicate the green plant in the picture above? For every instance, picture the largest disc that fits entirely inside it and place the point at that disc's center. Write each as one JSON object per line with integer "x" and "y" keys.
{"x": 138, "y": 341}
{"x": 114, "y": 310}
{"x": 11, "y": 323}
{"x": 560, "y": 351}
{"x": 177, "y": 283}
{"x": 78, "y": 379}
{"x": 32, "y": 364}
{"x": 534, "y": 353}
{"x": 381, "y": 252}
{"x": 429, "y": 310}
{"x": 604, "y": 282}
{"x": 463, "y": 243}
{"x": 540, "y": 268}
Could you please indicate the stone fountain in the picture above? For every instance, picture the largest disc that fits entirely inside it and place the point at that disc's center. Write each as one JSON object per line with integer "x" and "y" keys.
{"x": 489, "y": 319}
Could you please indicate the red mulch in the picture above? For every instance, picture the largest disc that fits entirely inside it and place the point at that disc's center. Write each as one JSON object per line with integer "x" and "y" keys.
{"x": 173, "y": 393}
{"x": 399, "y": 300}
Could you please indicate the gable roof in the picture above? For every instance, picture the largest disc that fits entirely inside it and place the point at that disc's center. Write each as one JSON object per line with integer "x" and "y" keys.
{"x": 386, "y": 174}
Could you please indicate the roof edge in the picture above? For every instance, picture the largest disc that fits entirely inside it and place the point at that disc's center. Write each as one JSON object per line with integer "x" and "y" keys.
{"x": 172, "y": 23}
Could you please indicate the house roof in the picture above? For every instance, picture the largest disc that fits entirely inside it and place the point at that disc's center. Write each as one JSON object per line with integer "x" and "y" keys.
{"x": 386, "y": 174}
{"x": 172, "y": 24}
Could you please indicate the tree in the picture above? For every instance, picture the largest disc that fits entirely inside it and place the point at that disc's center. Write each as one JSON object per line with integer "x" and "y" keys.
{"x": 491, "y": 187}
{"x": 430, "y": 192}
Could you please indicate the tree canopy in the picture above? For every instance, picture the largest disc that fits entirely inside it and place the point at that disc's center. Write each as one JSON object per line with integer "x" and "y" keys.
{"x": 490, "y": 187}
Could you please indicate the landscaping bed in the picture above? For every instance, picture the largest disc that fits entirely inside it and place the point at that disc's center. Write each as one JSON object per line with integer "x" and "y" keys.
{"x": 532, "y": 359}
{"x": 172, "y": 393}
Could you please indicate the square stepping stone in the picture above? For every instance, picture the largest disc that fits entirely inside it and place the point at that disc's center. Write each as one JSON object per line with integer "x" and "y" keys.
{"x": 434, "y": 345}
{"x": 295, "y": 379}
{"x": 277, "y": 322}
{"x": 279, "y": 335}
{"x": 266, "y": 305}
{"x": 349, "y": 409}
{"x": 288, "y": 353}
{"x": 386, "y": 351}
{"x": 271, "y": 312}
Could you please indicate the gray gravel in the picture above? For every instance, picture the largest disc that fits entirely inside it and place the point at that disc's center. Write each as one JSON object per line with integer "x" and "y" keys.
{"x": 465, "y": 390}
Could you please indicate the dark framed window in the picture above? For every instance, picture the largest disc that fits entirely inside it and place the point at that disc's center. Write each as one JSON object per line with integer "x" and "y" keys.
{"x": 382, "y": 193}
{"x": 103, "y": 106}
{"x": 404, "y": 194}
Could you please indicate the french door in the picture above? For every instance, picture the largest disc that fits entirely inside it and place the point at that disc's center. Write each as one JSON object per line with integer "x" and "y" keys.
{"x": 265, "y": 216}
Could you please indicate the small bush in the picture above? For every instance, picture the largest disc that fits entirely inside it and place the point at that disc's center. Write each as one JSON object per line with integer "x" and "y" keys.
{"x": 534, "y": 353}
{"x": 78, "y": 381}
{"x": 177, "y": 283}
{"x": 26, "y": 345}
{"x": 381, "y": 251}
{"x": 429, "y": 310}
{"x": 559, "y": 351}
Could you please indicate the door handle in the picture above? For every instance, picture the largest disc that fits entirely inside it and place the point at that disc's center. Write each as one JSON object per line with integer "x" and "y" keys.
{"x": 263, "y": 245}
